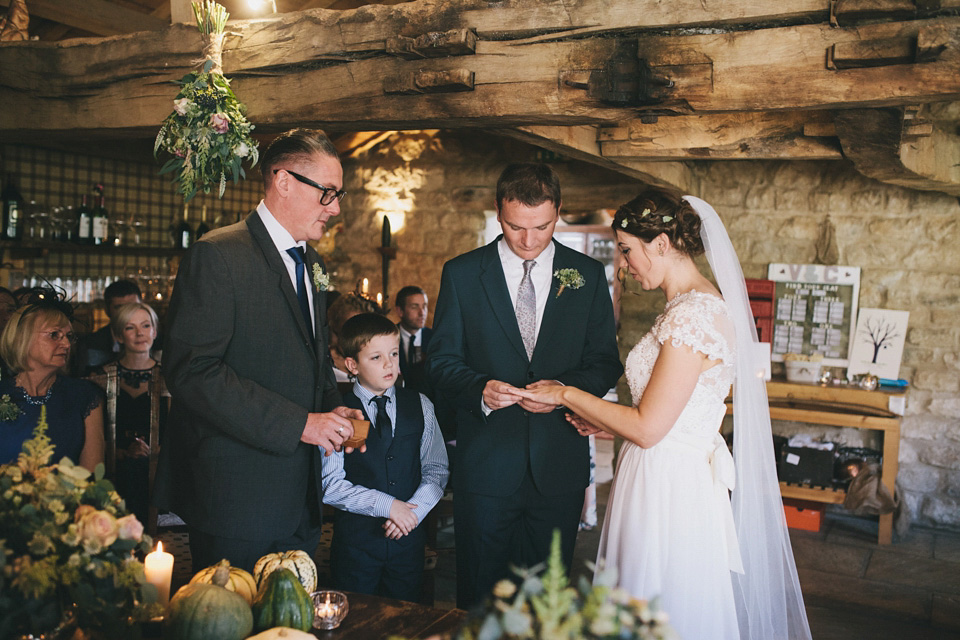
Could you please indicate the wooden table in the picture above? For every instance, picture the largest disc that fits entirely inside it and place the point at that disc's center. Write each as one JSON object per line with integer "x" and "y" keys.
{"x": 373, "y": 618}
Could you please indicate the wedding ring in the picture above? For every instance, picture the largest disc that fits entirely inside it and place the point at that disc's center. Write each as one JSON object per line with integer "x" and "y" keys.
{"x": 340, "y": 431}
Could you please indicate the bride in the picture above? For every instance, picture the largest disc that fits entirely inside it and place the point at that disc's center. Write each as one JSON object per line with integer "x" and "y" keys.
{"x": 721, "y": 570}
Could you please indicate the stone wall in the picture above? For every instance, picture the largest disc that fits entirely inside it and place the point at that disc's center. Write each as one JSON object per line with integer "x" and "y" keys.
{"x": 905, "y": 242}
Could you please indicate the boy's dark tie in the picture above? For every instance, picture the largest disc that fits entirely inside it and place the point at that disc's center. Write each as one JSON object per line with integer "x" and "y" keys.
{"x": 383, "y": 425}
{"x": 297, "y": 254}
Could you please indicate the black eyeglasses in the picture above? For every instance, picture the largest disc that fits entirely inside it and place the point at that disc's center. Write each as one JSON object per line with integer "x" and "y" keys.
{"x": 327, "y": 193}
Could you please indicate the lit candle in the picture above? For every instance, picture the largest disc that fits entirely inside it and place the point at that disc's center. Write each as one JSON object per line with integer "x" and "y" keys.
{"x": 158, "y": 567}
{"x": 366, "y": 286}
{"x": 379, "y": 299}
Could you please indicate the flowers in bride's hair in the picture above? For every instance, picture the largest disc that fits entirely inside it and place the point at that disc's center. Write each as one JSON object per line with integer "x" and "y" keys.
{"x": 321, "y": 280}
{"x": 666, "y": 219}
{"x": 8, "y": 409}
{"x": 568, "y": 279}
{"x": 645, "y": 213}
{"x": 623, "y": 223}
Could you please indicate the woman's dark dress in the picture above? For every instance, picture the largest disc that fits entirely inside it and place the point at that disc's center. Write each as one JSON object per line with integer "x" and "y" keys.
{"x": 70, "y": 402}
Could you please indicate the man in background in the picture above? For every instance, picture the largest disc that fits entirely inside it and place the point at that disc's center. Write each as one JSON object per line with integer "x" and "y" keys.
{"x": 412, "y": 310}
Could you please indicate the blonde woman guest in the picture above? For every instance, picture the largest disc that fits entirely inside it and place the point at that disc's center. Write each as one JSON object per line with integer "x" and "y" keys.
{"x": 36, "y": 345}
{"x": 134, "y": 327}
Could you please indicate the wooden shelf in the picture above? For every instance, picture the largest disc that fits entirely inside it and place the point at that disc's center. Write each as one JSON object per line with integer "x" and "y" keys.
{"x": 33, "y": 250}
{"x": 842, "y": 406}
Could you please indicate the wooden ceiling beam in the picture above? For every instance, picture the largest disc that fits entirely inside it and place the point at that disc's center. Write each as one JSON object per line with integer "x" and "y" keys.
{"x": 95, "y": 16}
{"x": 740, "y": 136}
{"x": 917, "y": 147}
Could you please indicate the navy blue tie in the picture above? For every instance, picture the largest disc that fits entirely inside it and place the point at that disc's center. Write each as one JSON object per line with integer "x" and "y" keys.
{"x": 297, "y": 254}
{"x": 383, "y": 425}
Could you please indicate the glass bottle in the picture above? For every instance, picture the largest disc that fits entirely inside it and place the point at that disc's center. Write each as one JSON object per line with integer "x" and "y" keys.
{"x": 99, "y": 222}
{"x": 183, "y": 234}
{"x": 12, "y": 222}
{"x": 84, "y": 234}
{"x": 202, "y": 228}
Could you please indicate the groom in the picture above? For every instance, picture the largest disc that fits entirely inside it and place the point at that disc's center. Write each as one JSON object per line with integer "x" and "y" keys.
{"x": 247, "y": 363}
{"x": 502, "y": 323}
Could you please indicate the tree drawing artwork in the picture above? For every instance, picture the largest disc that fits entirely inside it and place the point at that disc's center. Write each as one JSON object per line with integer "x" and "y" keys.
{"x": 880, "y": 334}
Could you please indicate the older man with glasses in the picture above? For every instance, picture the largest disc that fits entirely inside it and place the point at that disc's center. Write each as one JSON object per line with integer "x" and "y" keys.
{"x": 255, "y": 402}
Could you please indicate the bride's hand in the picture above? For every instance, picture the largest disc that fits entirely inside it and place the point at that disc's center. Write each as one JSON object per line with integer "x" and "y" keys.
{"x": 583, "y": 427}
{"x": 542, "y": 396}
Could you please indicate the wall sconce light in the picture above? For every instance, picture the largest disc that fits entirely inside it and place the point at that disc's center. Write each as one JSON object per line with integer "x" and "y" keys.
{"x": 259, "y": 5}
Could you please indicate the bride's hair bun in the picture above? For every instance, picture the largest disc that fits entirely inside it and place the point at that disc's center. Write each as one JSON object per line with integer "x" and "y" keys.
{"x": 659, "y": 210}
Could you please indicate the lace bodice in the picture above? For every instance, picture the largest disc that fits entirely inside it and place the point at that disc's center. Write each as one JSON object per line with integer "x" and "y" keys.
{"x": 702, "y": 322}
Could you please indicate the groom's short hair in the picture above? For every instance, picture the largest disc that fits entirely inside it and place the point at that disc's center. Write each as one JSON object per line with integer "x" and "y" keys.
{"x": 529, "y": 183}
{"x": 359, "y": 330}
{"x": 295, "y": 145}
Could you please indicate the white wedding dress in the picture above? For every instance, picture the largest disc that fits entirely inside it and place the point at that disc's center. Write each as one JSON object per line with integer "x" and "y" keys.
{"x": 669, "y": 528}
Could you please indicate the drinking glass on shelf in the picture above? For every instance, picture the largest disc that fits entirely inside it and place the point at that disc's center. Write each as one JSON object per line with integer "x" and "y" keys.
{"x": 118, "y": 229}
{"x": 138, "y": 227}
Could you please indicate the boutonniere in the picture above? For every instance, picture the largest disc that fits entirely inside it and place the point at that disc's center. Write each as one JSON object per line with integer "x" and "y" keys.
{"x": 321, "y": 279}
{"x": 9, "y": 410}
{"x": 568, "y": 279}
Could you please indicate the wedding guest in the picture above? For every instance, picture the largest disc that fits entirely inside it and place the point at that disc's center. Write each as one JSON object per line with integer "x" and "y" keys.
{"x": 36, "y": 345}
{"x": 720, "y": 571}
{"x": 8, "y": 304}
{"x": 101, "y": 346}
{"x": 411, "y": 308}
{"x": 134, "y": 326}
{"x": 343, "y": 308}
{"x": 246, "y": 359}
{"x": 385, "y": 493}
{"x": 503, "y": 323}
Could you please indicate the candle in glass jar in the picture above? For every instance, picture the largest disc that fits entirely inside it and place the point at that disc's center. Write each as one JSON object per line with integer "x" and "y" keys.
{"x": 158, "y": 567}
{"x": 379, "y": 299}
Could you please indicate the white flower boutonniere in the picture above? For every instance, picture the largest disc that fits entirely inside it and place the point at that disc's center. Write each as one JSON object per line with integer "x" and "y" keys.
{"x": 321, "y": 280}
{"x": 9, "y": 411}
{"x": 568, "y": 279}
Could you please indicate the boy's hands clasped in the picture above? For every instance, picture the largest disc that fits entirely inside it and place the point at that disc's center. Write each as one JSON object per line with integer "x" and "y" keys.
{"x": 402, "y": 520}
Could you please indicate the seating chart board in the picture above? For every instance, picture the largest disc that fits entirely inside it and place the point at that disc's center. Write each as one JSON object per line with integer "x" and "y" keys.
{"x": 814, "y": 310}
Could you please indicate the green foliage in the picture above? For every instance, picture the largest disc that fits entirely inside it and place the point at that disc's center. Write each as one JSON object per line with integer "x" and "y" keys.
{"x": 67, "y": 548}
{"x": 207, "y": 134}
{"x": 545, "y": 607}
{"x": 8, "y": 409}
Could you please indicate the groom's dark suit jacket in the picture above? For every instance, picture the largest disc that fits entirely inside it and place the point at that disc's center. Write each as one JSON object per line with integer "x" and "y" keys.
{"x": 476, "y": 339}
{"x": 243, "y": 372}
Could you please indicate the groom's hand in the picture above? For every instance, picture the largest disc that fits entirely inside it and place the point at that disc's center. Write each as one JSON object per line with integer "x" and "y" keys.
{"x": 499, "y": 395}
{"x": 539, "y": 407}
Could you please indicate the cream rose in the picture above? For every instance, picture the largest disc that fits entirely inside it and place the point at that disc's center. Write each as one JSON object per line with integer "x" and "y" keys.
{"x": 181, "y": 106}
{"x": 98, "y": 529}
{"x": 219, "y": 122}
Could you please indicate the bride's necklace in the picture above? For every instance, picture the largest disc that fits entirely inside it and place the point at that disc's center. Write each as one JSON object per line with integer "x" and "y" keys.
{"x": 36, "y": 401}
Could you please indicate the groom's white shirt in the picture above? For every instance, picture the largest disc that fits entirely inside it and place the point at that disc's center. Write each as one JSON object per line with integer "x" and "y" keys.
{"x": 541, "y": 276}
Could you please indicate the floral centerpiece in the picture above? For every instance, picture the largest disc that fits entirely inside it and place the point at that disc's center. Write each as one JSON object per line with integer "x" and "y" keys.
{"x": 544, "y": 606}
{"x": 66, "y": 555}
{"x": 207, "y": 134}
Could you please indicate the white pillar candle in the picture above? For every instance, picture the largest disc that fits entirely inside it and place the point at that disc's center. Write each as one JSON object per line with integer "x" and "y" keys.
{"x": 158, "y": 567}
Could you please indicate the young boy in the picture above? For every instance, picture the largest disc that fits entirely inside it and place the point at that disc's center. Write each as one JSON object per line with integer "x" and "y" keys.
{"x": 386, "y": 492}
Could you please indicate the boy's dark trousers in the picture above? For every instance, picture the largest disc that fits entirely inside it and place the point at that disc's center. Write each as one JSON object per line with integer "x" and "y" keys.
{"x": 362, "y": 558}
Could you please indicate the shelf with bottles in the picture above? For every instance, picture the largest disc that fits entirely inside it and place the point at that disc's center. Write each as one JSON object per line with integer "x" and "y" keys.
{"x": 32, "y": 249}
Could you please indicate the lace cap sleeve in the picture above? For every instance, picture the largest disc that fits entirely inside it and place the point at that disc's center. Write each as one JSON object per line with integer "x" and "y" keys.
{"x": 699, "y": 321}
{"x": 92, "y": 396}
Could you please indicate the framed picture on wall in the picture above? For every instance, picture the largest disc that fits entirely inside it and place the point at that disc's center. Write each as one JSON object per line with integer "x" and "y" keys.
{"x": 878, "y": 343}
{"x": 814, "y": 310}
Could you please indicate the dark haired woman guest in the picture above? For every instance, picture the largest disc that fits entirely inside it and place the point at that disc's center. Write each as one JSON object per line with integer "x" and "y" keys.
{"x": 36, "y": 346}
{"x": 722, "y": 571}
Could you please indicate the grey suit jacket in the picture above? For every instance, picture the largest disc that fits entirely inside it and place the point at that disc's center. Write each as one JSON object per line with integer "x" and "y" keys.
{"x": 243, "y": 372}
{"x": 476, "y": 339}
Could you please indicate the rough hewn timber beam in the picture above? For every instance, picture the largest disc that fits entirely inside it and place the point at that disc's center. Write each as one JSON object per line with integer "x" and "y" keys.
{"x": 121, "y": 82}
{"x": 915, "y": 148}
{"x": 740, "y": 136}
{"x": 580, "y": 143}
{"x": 96, "y": 16}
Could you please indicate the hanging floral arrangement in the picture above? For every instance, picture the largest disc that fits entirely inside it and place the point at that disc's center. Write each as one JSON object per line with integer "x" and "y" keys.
{"x": 207, "y": 134}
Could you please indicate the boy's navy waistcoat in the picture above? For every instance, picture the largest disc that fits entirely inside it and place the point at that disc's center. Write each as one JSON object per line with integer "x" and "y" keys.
{"x": 394, "y": 470}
